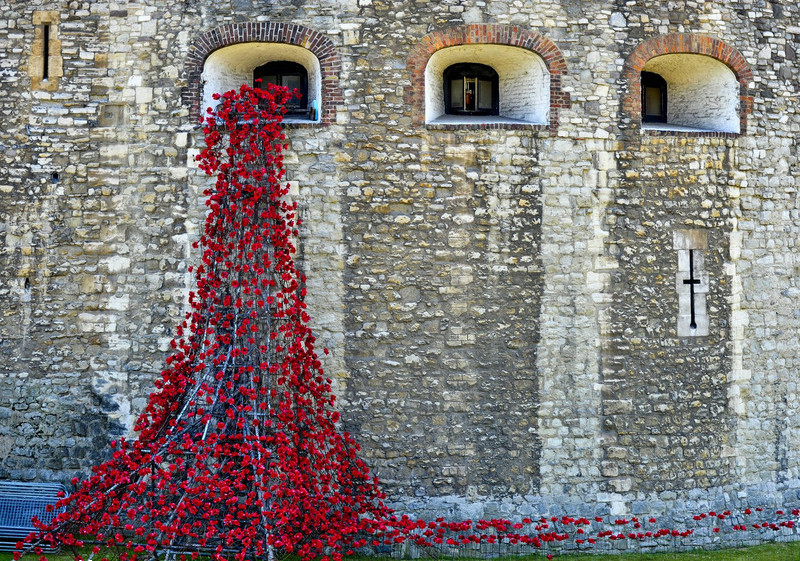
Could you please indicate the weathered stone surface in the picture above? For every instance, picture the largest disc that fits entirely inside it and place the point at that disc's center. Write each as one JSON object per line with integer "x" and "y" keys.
{"x": 500, "y": 302}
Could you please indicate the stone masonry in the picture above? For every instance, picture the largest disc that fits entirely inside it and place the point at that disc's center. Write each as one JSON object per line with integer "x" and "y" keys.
{"x": 501, "y": 299}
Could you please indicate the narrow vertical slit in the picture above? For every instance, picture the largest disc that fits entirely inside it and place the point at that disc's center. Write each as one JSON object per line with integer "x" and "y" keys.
{"x": 25, "y": 297}
{"x": 46, "y": 51}
{"x": 691, "y": 281}
{"x": 693, "y": 324}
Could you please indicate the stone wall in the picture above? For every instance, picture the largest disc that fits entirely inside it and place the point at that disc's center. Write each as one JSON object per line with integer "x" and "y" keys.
{"x": 445, "y": 320}
{"x": 501, "y": 302}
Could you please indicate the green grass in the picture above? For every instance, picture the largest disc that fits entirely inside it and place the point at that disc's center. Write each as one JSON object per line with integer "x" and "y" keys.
{"x": 769, "y": 552}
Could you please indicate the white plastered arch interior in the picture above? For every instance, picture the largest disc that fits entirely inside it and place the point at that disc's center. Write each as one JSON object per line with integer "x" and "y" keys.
{"x": 524, "y": 82}
{"x": 230, "y": 67}
{"x": 702, "y": 92}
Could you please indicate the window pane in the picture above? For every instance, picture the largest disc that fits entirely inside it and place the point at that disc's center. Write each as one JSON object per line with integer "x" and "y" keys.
{"x": 485, "y": 95}
{"x": 652, "y": 102}
{"x": 470, "y": 93}
{"x": 293, "y": 81}
{"x": 457, "y": 93}
{"x": 268, "y": 79}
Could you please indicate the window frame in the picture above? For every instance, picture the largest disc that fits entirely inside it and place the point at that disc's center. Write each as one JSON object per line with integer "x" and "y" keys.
{"x": 281, "y": 69}
{"x": 654, "y": 80}
{"x": 478, "y": 73}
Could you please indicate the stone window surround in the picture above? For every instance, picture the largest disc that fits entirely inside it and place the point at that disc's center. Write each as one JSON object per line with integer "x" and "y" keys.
{"x": 684, "y": 242}
{"x": 485, "y": 34}
{"x": 684, "y": 43}
{"x": 523, "y": 85}
{"x": 54, "y": 61}
{"x": 265, "y": 32}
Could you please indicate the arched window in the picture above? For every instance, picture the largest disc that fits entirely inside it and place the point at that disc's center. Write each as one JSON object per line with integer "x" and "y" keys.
{"x": 471, "y": 89}
{"x": 689, "y": 92}
{"x": 224, "y": 58}
{"x": 687, "y": 83}
{"x": 654, "y": 98}
{"x": 290, "y": 75}
{"x": 521, "y": 73}
{"x": 481, "y": 84}
{"x": 281, "y": 64}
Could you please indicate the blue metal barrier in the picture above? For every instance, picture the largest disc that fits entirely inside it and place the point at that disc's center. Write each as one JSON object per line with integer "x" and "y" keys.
{"x": 21, "y": 501}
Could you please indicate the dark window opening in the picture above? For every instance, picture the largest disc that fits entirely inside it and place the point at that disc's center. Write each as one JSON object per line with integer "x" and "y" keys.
{"x": 654, "y": 98}
{"x": 290, "y": 75}
{"x": 46, "y": 51}
{"x": 471, "y": 89}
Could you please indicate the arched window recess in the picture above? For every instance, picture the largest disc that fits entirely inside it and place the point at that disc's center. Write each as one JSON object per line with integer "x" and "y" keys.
{"x": 225, "y": 57}
{"x": 486, "y": 84}
{"x": 689, "y": 92}
{"x": 486, "y": 76}
{"x": 259, "y": 64}
{"x": 687, "y": 84}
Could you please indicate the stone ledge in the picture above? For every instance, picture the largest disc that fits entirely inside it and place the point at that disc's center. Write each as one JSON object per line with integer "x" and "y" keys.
{"x": 688, "y": 133}
{"x": 479, "y": 126}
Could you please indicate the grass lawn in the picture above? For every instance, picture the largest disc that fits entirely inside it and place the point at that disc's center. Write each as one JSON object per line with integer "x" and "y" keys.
{"x": 770, "y": 552}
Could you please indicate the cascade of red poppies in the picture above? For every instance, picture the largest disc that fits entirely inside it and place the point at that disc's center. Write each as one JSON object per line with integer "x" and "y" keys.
{"x": 238, "y": 453}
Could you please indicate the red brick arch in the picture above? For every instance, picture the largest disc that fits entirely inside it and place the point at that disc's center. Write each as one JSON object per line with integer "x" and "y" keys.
{"x": 486, "y": 34}
{"x": 685, "y": 43}
{"x": 264, "y": 32}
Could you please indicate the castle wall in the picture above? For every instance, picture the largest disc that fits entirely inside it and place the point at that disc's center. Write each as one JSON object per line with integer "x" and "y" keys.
{"x": 501, "y": 303}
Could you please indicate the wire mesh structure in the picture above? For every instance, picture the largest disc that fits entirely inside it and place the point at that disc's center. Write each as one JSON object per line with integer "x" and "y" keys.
{"x": 238, "y": 453}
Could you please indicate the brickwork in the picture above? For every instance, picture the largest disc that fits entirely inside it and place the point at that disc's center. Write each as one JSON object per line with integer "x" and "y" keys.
{"x": 499, "y": 299}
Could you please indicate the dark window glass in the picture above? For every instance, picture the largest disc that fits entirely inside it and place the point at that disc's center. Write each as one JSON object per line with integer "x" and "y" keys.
{"x": 46, "y": 54}
{"x": 654, "y": 98}
{"x": 457, "y": 94}
{"x": 485, "y": 95}
{"x": 471, "y": 89}
{"x": 288, "y": 74}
